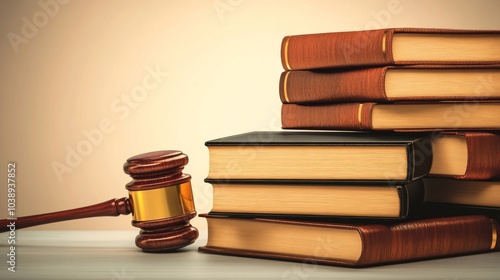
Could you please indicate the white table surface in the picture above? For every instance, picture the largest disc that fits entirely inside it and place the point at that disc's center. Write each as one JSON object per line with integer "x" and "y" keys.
{"x": 113, "y": 255}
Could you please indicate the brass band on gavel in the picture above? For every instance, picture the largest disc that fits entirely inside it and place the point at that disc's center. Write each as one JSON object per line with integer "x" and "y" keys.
{"x": 161, "y": 203}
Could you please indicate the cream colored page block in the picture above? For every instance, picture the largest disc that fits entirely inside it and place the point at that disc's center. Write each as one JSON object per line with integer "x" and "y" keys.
{"x": 446, "y": 47}
{"x": 438, "y": 116}
{"x": 308, "y": 162}
{"x": 286, "y": 239}
{"x": 427, "y": 82}
{"x": 312, "y": 200}
{"x": 449, "y": 155}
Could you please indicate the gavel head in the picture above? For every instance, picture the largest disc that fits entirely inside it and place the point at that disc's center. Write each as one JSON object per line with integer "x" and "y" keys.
{"x": 162, "y": 200}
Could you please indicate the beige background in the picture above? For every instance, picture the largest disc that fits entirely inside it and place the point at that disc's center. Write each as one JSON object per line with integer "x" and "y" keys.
{"x": 70, "y": 69}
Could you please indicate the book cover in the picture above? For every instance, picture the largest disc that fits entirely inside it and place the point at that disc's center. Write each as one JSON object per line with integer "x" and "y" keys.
{"x": 319, "y": 156}
{"x": 393, "y": 46}
{"x": 350, "y": 244}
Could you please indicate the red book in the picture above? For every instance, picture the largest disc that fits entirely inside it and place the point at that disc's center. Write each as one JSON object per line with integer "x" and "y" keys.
{"x": 392, "y": 83}
{"x": 394, "y": 116}
{"x": 390, "y": 47}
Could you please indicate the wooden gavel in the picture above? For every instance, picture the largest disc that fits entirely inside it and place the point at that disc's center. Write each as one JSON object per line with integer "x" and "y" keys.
{"x": 160, "y": 200}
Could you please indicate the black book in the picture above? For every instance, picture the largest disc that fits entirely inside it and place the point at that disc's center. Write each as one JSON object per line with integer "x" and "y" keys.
{"x": 318, "y": 201}
{"x": 319, "y": 156}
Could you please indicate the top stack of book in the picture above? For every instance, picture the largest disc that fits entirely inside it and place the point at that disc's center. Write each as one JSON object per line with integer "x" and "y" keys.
{"x": 392, "y": 79}
{"x": 406, "y": 79}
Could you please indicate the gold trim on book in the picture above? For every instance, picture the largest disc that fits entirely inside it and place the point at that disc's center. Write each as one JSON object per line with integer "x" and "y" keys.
{"x": 384, "y": 43}
{"x": 360, "y": 113}
{"x": 494, "y": 234}
{"x": 285, "y": 52}
{"x": 162, "y": 203}
{"x": 285, "y": 91}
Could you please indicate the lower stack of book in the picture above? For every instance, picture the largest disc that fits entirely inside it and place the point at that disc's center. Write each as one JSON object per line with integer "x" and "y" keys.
{"x": 345, "y": 198}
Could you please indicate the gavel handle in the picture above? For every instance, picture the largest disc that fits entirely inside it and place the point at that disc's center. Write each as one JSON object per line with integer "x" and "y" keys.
{"x": 112, "y": 207}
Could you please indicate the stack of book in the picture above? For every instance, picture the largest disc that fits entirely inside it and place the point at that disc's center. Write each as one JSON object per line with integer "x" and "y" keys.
{"x": 406, "y": 166}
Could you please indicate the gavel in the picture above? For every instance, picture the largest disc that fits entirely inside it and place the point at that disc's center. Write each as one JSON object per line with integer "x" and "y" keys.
{"x": 160, "y": 200}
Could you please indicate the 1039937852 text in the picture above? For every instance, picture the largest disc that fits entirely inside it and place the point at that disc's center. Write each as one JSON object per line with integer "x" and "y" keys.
{"x": 11, "y": 208}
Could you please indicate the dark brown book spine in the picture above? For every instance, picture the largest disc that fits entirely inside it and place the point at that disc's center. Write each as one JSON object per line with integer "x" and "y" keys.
{"x": 339, "y": 86}
{"x": 310, "y": 51}
{"x": 343, "y": 116}
{"x": 427, "y": 239}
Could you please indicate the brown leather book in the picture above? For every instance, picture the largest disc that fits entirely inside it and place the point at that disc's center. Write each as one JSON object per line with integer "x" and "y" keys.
{"x": 392, "y": 83}
{"x": 350, "y": 244}
{"x": 394, "y": 116}
{"x": 470, "y": 155}
{"x": 390, "y": 47}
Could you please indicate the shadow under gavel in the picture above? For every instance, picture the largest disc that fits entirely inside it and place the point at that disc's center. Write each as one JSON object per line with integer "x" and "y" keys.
{"x": 160, "y": 200}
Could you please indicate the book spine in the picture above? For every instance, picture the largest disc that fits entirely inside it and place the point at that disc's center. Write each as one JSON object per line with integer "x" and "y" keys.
{"x": 358, "y": 48}
{"x": 339, "y": 86}
{"x": 483, "y": 153}
{"x": 344, "y": 116}
{"x": 430, "y": 238}
{"x": 411, "y": 199}
{"x": 420, "y": 157}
